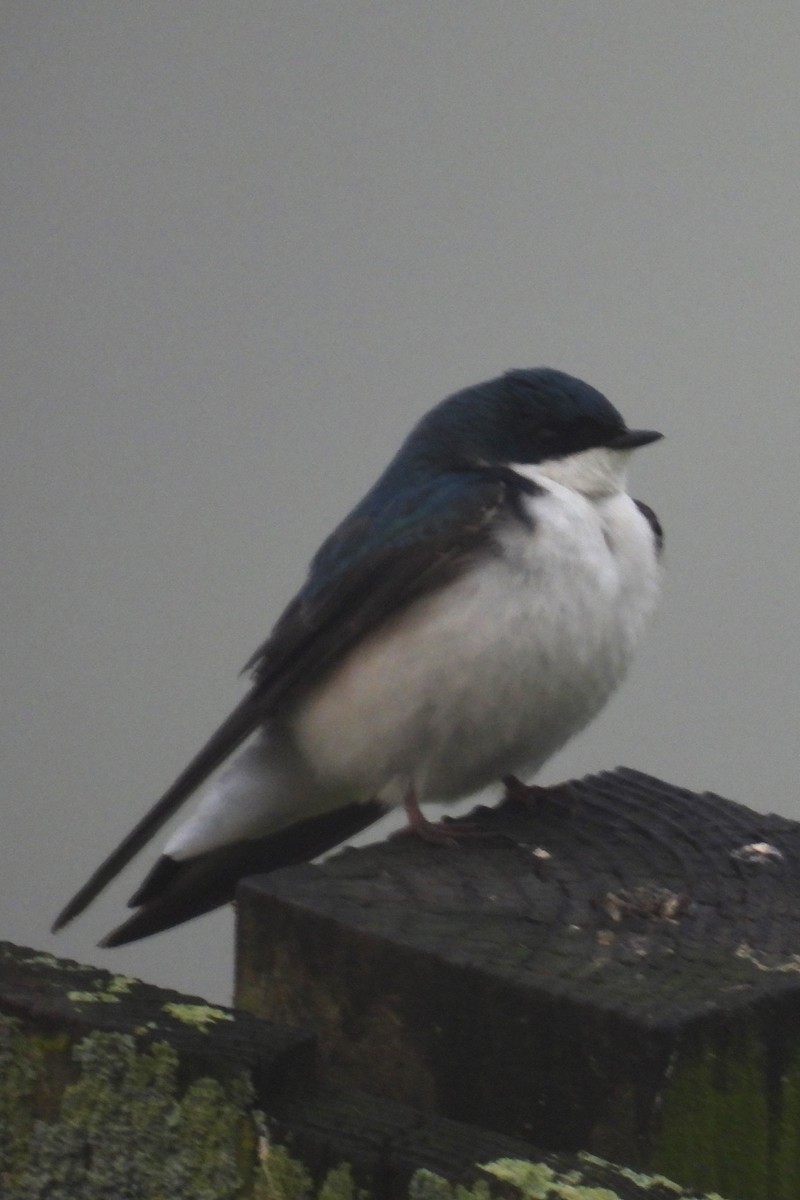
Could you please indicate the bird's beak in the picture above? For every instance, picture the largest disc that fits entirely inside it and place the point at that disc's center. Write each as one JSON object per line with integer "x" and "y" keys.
{"x": 630, "y": 439}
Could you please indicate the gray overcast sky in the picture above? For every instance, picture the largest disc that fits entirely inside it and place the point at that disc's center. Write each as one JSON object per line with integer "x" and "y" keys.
{"x": 246, "y": 244}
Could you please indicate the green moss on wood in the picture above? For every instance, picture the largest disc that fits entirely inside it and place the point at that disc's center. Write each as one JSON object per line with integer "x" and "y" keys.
{"x": 199, "y": 1016}
{"x": 21, "y": 1067}
{"x": 115, "y": 1116}
{"x": 539, "y": 1181}
{"x": 535, "y": 1180}
{"x": 340, "y": 1185}
{"x": 115, "y": 988}
{"x": 787, "y": 1155}
{"x": 717, "y": 1125}
{"x": 645, "y": 1181}
{"x": 425, "y": 1185}
{"x": 282, "y": 1177}
{"x": 125, "y": 1128}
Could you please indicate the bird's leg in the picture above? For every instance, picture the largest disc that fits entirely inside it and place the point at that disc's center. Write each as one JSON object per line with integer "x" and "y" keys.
{"x": 418, "y": 823}
{"x": 443, "y": 833}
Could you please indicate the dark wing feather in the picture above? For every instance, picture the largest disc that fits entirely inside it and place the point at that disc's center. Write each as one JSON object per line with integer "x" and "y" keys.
{"x": 653, "y": 522}
{"x": 395, "y": 547}
{"x": 231, "y": 733}
{"x": 175, "y": 892}
{"x": 370, "y": 569}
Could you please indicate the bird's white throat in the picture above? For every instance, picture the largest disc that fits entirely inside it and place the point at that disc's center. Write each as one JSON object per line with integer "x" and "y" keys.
{"x": 599, "y": 471}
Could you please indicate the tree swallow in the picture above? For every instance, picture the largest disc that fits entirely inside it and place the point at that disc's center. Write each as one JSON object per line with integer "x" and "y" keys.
{"x": 475, "y": 610}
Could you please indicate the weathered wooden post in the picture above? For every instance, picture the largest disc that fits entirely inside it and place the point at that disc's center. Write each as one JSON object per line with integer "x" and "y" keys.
{"x": 612, "y": 973}
{"x": 111, "y": 1089}
{"x": 615, "y": 970}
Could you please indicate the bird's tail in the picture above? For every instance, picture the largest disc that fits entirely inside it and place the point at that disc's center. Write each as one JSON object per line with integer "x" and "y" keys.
{"x": 231, "y": 733}
{"x": 177, "y": 890}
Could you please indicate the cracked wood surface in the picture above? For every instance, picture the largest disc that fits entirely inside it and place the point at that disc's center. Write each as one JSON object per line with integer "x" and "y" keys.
{"x": 614, "y": 967}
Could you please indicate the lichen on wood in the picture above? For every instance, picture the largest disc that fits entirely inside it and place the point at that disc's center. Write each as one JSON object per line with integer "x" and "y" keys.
{"x": 124, "y": 1128}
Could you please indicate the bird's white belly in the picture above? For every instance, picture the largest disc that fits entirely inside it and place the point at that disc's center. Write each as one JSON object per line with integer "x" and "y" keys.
{"x": 492, "y": 674}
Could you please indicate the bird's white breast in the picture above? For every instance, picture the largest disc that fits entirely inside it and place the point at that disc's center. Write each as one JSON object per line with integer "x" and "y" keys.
{"x": 495, "y": 672}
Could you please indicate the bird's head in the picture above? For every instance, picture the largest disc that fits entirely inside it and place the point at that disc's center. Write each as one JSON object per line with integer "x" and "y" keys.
{"x": 537, "y": 418}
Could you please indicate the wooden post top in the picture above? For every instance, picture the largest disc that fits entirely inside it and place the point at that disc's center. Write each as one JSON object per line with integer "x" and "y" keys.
{"x": 613, "y": 967}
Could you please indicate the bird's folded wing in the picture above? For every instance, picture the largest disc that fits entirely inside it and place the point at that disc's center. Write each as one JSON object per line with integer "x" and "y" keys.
{"x": 382, "y": 557}
{"x": 374, "y": 566}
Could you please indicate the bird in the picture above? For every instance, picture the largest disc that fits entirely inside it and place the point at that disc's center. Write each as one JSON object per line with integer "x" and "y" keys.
{"x": 475, "y": 610}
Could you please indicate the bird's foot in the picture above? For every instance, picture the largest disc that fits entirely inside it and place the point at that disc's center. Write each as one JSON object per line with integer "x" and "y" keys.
{"x": 530, "y": 793}
{"x": 450, "y": 831}
{"x": 515, "y": 788}
{"x": 447, "y": 832}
